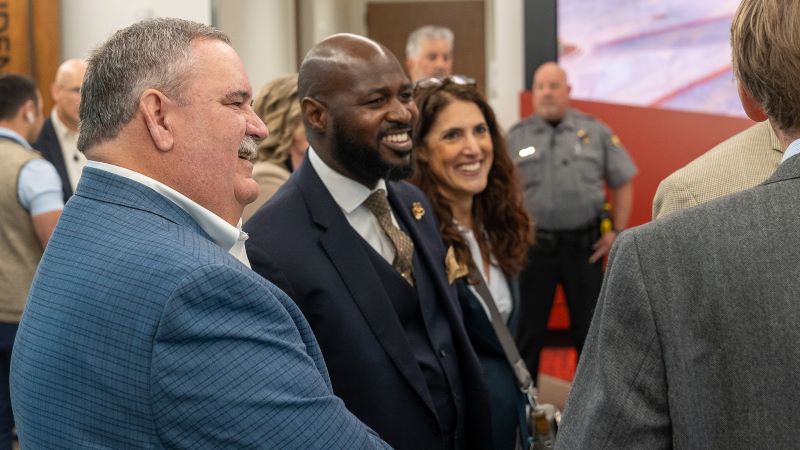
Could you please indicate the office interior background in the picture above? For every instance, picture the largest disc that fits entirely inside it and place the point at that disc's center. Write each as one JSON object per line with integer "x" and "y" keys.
{"x": 657, "y": 71}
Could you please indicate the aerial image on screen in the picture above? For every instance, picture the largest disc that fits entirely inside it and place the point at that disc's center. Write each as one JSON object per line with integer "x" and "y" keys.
{"x": 657, "y": 53}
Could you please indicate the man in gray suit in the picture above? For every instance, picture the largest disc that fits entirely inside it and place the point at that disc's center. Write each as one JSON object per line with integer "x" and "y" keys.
{"x": 694, "y": 339}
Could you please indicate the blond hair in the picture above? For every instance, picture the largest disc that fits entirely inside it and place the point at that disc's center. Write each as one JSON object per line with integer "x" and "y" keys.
{"x": 278, "y": 107}
{"x": 765, "y": 38}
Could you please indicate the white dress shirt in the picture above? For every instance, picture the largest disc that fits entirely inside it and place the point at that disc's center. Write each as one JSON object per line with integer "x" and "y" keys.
{"x": 791, "y": 150}
{"x": 350, "y": 196}
{"x": 227, "y": 236}
{"x": 496, "y": 281}
{"x": 73, "y": 159}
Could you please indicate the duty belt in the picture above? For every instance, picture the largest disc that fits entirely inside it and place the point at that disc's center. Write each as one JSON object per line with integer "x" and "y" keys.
{"x": 584, "y": 236}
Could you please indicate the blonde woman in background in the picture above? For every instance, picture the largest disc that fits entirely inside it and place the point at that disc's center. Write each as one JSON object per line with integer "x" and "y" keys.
{"x": 284, "y": 149}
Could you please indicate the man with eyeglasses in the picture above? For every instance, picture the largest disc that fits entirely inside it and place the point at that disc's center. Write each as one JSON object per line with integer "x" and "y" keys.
{"x": 566, "y": 159}
{"x": 359, "y": 251}
{"x": 58, "y": 141}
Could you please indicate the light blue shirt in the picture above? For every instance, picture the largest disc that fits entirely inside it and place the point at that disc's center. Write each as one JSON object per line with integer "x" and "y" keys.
{"x": 227, "y": 236}
{"x": 793, "y": 149}
{"x": 39, "y": 186}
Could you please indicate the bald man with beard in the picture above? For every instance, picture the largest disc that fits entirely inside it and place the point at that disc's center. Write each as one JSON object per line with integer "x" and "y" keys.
{"x": 359, "y": 251}
{"x": 58, "y": 142}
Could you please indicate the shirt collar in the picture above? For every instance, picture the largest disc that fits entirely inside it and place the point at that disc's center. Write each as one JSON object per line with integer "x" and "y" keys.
{"x": 791, "y": 150}
{"x": 347, "y": 193}
{"x": 567, "y": 122}
{"x": 58, "y": 125}
{"x": 14, "y": 136}
{"x": 221, "y": 232}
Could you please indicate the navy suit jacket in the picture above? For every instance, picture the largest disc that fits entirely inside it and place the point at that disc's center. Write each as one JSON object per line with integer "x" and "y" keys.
{"x": 140, "y": 332}
{"x": 48, "y": 145}
{"x": 301, "y": 241}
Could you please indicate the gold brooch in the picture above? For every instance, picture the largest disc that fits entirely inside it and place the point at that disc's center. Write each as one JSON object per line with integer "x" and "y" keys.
{"x": 454, "y": 269}
{"x": 583, "y": 136}
{"x": 417, "y": 210}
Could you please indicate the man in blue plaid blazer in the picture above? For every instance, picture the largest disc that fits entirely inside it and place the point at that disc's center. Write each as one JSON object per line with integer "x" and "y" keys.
{"x": 145, "y": 327}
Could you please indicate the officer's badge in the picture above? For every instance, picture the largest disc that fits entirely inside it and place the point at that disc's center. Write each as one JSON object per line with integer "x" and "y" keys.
{"x": 583, "y": 136}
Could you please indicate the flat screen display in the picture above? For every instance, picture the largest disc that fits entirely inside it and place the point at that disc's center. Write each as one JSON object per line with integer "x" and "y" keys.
{"x": 657, "y": 53}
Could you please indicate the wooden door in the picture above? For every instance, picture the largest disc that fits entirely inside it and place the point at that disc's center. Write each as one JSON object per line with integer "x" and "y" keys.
{"x": 30, "y": 41}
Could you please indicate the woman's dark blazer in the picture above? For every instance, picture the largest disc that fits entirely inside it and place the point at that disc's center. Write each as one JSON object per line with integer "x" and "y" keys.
{"x": 507, "y": 402}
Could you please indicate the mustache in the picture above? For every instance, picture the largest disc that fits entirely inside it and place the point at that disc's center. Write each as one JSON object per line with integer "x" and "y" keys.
{"x": 248, "y": 149}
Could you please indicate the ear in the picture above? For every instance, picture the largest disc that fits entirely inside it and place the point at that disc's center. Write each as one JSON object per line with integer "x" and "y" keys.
{"x": 316, "y": 113}
{"x": 154, "y": 106}
{"x": 409, "y": 65}
{"x": 751, "y": 106}
{"x": 54, "y": 90}
{"x": 28, "y": 111}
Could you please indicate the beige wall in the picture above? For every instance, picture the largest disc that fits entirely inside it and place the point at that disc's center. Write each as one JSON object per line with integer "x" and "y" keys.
{"x": 264, "y": 32}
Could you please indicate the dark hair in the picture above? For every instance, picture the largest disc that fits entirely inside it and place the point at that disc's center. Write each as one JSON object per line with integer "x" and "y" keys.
{"x": 15, "y": 90}
{"x": 501, "y": 225}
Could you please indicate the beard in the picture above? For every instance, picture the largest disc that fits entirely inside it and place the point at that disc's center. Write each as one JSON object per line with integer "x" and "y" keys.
{"x": 363, "y": 160}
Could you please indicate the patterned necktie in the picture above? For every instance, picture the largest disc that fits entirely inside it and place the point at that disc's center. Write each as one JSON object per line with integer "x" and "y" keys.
{"x": 403, "y": 246}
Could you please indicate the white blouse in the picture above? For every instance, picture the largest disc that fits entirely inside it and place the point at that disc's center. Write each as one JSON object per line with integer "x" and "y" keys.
{"x": 496, "y": 281}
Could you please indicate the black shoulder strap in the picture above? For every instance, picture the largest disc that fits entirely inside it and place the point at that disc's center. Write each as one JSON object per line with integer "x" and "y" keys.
{"x": 524, "y": 379}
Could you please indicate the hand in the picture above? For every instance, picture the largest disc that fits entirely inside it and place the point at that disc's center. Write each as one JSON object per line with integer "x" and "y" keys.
{"x": 602, "y": 246}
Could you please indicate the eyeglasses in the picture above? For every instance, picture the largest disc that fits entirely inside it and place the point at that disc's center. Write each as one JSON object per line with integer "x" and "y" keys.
{"x": 436, "y": 82}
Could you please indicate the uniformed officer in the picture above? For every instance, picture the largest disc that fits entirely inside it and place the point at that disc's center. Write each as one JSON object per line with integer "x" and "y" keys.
{"x": 565, "y": 159}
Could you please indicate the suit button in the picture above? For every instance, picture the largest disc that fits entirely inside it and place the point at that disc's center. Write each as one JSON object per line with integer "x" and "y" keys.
{"x": 442, "y": 353}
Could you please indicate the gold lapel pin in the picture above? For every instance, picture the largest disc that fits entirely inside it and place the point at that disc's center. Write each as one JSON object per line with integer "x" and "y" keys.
{"x": 417, "y": 210}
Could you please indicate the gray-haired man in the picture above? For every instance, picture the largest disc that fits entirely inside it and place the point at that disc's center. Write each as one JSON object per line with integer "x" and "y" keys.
{"x": 145, "y": 327}
{"x": 429, "y": 52}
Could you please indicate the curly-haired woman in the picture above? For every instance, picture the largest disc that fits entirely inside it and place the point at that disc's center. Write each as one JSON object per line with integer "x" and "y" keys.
{"x": 462, "y": 166}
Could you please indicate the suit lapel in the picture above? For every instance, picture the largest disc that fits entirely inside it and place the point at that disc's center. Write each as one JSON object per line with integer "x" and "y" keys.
{"x": 424, "y": 243}
{"x": 341, "y": 244}
{"x": 51, "y": 150}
